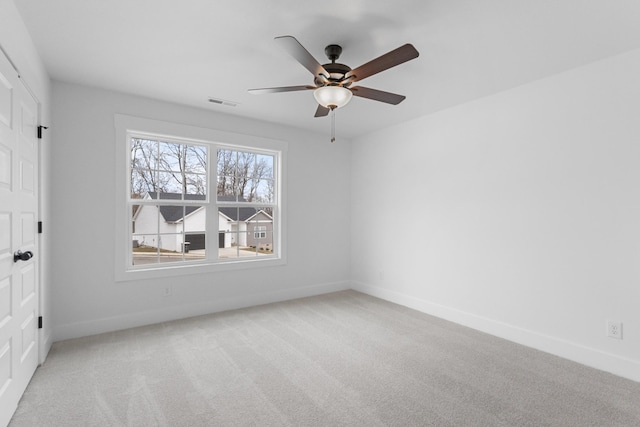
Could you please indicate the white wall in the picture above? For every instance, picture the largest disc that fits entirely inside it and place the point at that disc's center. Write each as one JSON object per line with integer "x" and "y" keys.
{"x": 86, "y": 297}
{"x": 17, "y": 44}
{"x": 523, "y": 213}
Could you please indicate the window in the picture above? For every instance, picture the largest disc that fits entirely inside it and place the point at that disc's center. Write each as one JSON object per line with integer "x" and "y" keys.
{"x": 246, "y": 194}
{"x": 197, "y": 204}
{"x": 168, "y": 183}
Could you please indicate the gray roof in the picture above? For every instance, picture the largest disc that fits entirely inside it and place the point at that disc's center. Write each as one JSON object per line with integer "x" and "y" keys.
{"x": 236, "y": 214}
{"x": 175, "y": 213}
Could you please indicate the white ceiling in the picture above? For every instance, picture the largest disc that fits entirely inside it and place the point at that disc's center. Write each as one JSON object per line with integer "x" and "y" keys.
{"x": 189, "y": 50}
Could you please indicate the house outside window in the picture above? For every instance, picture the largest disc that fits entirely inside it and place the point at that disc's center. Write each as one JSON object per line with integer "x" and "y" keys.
{"x": 260, "y": 232}
{"x": 198, "y": 204}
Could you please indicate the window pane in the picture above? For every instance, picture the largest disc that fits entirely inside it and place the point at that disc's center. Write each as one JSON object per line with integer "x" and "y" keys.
{"x": 144, "y": 239}
{"x": 196, "y": 159}
{"x": 145, "y": 254}
{"x": 163, "y": 167}
{"x": 171, "y": 157}
{"x": 143, "y": 167}
{"x": 225, "y": 188}
{"x": 247, "y": 191}
{"x": 195, "y": 183}
{"x": 168, "y": 234}
{"x": 143, "y": 181}
{"x": 141, "y": 253}
{"x": 245, "y": 177}
{"x": 194, "y": 233}
{"x": 227, "y": 245}
{"x": 170, "y": 182}
{"x": 236, "y": 246}
{"x": 262, "y": 191}
{"x": 144, "y": 154}
{"x": 223, "y": 161}
{"x": 265, "y": 165}
{"x": 193, "y": 175}
{"x": 153, "y": 251}
{"x": 170, "y": 247}
{"x": 245, "y": 232}
{"x": 226, "y": 171}
{"x": 260, "y": 237}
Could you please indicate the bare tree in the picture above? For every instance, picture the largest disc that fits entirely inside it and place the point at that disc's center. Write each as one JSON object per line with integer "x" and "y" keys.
{"x": 167, "y": 168}
{"x": 197, "y": 160}
{"x": 245, "y": 175}
{"x": 172, "y": 161}
{"x": 245, "y": 166}
{"x": 226, "y": 172}
{"x": 144, "y": 161}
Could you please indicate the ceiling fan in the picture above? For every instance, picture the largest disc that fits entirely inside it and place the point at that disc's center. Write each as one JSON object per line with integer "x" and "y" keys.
{"x": 332, "y": 82}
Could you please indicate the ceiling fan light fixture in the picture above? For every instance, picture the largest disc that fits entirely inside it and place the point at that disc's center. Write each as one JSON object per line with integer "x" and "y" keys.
{"x": 332, "y": 96}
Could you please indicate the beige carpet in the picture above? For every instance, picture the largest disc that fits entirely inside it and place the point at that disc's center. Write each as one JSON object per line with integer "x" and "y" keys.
{"x": 344, "y": 359}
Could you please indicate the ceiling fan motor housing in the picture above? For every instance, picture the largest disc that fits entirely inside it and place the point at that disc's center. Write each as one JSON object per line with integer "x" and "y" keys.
{"x": 336, "y": 75}
{"x": 336, "y": 71}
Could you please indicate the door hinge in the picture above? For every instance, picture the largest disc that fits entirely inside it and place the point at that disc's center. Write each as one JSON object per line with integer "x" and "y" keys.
{"x": 40, "y": 322}
{"x": 39, "y": 227}
{"x": 40, "y": 131}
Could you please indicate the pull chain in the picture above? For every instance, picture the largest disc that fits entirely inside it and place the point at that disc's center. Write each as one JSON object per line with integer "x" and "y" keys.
{"x": 333, "y": 124}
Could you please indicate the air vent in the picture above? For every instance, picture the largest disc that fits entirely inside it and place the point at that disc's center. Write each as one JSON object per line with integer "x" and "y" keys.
{"x": 223, "y": 102}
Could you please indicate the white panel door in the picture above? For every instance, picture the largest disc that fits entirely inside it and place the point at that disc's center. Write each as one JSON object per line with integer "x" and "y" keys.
{"x": 18, "y": 219}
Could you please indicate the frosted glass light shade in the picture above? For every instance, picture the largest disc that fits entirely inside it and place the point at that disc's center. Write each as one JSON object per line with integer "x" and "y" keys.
{"x": 332, "y": 96}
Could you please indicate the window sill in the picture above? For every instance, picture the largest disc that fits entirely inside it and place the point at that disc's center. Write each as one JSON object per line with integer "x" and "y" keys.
{"x": 177, "y": 270}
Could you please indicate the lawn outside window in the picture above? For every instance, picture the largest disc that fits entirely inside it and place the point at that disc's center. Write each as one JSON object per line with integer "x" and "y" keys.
{"x": 196, "y": 200}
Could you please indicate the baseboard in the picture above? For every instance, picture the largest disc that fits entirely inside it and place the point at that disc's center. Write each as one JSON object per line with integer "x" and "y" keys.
{"x": 45, "y": 346}
{"x": 616, "y": 365}
{"x": 165, "y": 314}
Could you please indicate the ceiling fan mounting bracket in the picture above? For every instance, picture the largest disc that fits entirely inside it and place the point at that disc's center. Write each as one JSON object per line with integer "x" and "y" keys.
{"x": 333, "y": 52}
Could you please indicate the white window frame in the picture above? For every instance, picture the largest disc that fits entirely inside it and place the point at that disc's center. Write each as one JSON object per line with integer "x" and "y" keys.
{"x": 127, "y": 126}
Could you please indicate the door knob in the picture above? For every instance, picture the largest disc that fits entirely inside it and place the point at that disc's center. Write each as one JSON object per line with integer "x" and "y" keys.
{"x": 22, "y": 256}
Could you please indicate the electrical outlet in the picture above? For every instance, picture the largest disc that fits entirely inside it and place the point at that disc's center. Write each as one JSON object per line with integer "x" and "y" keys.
{"x": 167, "y": 291}
{"x": 614, "y": 329}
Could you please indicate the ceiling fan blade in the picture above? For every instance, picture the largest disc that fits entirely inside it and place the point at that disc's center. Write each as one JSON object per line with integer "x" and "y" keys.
{"x": 322, "y": 111}
{"x": 279, "y": 89}
{"x": 302, "y": 55}
{"x": 390, "y": 59}
{"x": 377, "y": 95}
